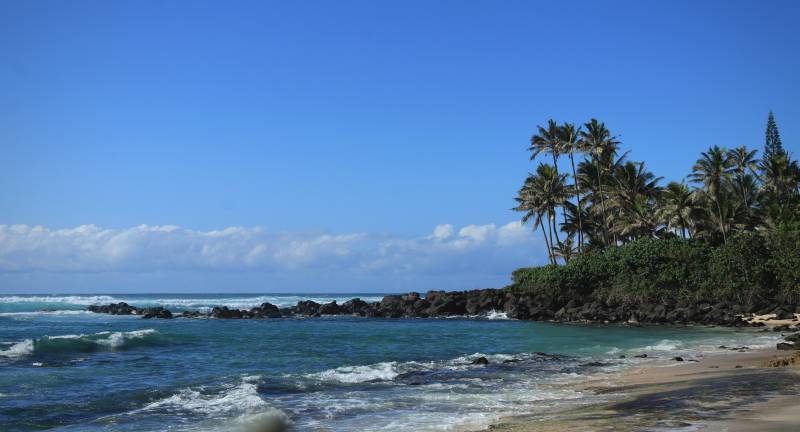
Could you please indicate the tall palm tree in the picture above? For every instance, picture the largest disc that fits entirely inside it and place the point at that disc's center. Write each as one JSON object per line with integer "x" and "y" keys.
{"x": 675, "y": 209}
{"x": 742, "y": 162}
{"x": 554, "y": 193}
{"x": 571, "y": 143}
{"x": 599, "y": 142}
{"x": 529, "y": 200}
{"x": 712, "y": 170}
{"x": 547, "y": 141}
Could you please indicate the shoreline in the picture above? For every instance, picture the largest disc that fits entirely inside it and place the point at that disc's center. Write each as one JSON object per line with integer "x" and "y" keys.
{"x": 737, "y": 391}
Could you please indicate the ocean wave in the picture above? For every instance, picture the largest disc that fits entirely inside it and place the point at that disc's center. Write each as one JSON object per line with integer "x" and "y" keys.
{"x": 69, "y": 299}
{"x": 45, "y": 313}
{"x": 243, "y": 401}
{"x": 188, "y": 302}
{"x": 384, "y": 371}
{"x": 388, "y": 371}
{"x": 664, "y": 345}
{"x": 495, "y": 315}
{"x": 77, "y": 343}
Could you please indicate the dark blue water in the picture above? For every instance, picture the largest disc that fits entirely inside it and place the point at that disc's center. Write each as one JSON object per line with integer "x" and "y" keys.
{"x": 73, "y": 371}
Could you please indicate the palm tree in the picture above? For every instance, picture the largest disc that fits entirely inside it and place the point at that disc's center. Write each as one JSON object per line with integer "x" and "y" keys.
{"x": 554, "y": 193}
{"x": 780, "y": 196}
{"x": 743, "y": 162}
{"x": 633, "y": 200}
{"x": 547, "y": 141}
{"x": 597, "y": 140}
{"x": 542, "y": 194}
{"x": 565, "y": 250}
{"x": 529, "y": 201}
{"x": 712, "y": 170}
{"x": 675, "y": 209}
{"x": 571, "y": 143}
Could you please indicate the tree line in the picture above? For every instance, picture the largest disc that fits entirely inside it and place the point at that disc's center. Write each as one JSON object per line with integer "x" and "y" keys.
{"x": 604, "y": 199}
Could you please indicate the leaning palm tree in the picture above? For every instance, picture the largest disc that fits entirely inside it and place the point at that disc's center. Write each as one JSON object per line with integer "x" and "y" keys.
{"x": 713, "y": 171}
{"x": 553, "y": 188}
{"x": 601, "y": 145}
{"x": 542, "y": 195}
{"x": 675, "y": 208}
{"x": 529, "y": 200}
{"x": 571, "y": 143}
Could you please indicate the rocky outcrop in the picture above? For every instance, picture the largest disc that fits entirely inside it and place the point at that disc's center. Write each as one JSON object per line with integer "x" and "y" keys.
{"x": 120, "y": 308}
{"x": 514, "y": 304}
{"x": 156, "y": 312}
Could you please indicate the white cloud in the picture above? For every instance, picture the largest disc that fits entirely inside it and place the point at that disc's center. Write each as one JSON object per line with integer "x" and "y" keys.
{"x": 144, "y": 248}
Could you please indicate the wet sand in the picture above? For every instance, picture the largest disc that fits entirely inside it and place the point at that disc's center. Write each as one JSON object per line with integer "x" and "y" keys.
{"x": 740, "y": 390}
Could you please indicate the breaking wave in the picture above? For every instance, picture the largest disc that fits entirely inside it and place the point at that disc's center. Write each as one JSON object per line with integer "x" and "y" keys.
{"x": 103, "y": 341}
{"x": 200, "y": 303}
{"x": 242, "y": 401}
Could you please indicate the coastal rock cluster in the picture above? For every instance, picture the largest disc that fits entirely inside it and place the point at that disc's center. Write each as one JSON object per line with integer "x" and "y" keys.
{"x": 475, "y": 303}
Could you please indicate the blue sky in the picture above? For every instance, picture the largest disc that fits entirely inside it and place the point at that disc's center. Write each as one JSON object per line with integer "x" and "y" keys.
{"x": 375, "y": 119}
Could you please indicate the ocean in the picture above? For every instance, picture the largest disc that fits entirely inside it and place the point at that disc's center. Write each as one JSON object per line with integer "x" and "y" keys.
{"x": 65, "y": 369}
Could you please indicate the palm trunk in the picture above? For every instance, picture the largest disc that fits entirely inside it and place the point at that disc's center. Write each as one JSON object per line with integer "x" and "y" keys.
{"x": 602, "y": 199}
{"x": 580, "y": 206}
{"x": 721, "y": 223}
{"x": 555, "y": 228}
{"x": 550, "y": 231}
{"x": 547, "y": 243}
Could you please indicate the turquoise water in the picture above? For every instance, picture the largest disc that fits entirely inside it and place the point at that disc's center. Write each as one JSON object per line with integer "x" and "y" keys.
{"x": 69, "y": 370}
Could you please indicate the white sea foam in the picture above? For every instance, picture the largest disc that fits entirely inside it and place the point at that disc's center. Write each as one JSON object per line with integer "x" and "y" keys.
{"x": 664, "y": 345}
{"x": 495, "y": 315}
{"x": 45, "y": 313}
{"x": 112, "y": 340}
{"x": 384, "y": 371}
{"x": 241, "y": 400}
{"x": 69, "y": 299}
{"x": 18, "y": 349}
{"x": 187, "y": 302}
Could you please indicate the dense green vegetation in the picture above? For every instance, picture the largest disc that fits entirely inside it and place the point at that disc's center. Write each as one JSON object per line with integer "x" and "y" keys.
{"x": 615, "y": 235}
{"x": 755, "y": 270}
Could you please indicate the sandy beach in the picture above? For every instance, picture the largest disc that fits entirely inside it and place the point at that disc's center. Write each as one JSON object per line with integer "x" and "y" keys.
{"x": 740, "y": 390}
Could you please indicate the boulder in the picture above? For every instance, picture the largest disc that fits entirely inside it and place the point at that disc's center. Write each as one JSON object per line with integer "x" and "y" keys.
{"x": 783, "y": 346}
{"x": 120, "y": 308}
{"x": 480, "y": 361}
{"x": 156, "y": 312}
{"x": 307, "y": 308}
{"x": 266, "y": 310}
{"x": 330, "y": 309}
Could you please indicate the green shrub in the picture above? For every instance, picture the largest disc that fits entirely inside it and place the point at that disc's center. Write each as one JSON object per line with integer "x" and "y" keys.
{"x": 752, "y": 269}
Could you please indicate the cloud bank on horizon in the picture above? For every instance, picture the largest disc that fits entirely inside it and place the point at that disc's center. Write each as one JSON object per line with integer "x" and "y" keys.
{"x": 489, "y": 250}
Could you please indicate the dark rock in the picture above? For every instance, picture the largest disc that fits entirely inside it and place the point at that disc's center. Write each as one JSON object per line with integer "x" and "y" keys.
{"x": 641, "y": 356}
{"x": 225, "y": 313}
{"x": 120, "y": 308}
{"x": 783, "y": 346}
{"x": 156, "y": 312}
{"x": 678, "y": 359}
{"x": 266, "y": 310}
{"x": 513, "y": 360}
{"x": 793, "y": 337}
{"x": 783, "y": 314}
{"x": 307, "y": 308}
{"x": 330, "y": 309}
{"x": 480, "y": 361}
{"x": 355, "y": 306}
